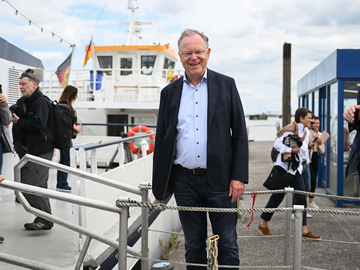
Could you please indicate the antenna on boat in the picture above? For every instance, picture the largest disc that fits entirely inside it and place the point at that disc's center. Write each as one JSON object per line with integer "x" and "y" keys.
{"x": 135, "y": 29}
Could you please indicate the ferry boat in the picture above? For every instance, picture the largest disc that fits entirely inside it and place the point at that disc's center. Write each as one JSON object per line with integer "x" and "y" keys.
{"x": 123, "y": 88}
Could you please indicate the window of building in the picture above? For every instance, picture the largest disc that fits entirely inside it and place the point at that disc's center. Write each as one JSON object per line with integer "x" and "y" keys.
{"x": 125, "y": 63}
{"x": 105, "y": 62}
{"x": 147, "y": 64}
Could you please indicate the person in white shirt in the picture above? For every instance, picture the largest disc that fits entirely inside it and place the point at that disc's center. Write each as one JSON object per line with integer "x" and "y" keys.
{"x": 293, "y": 170}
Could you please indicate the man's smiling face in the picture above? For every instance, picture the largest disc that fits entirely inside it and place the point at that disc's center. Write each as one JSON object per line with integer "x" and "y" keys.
{"x": 194, "y": 65}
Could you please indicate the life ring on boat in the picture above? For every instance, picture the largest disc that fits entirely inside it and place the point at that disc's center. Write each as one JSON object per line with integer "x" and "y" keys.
{"x": 137, "y": 150}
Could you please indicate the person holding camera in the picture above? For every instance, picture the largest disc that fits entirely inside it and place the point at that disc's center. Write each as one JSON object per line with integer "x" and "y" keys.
{"x": 292, "y": 168}
{"x": 34, "y": 129}
{"x": 351, "y": 115}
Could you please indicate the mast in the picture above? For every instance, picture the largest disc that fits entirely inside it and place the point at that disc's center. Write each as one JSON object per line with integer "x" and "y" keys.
{"x": 134, "y": 38}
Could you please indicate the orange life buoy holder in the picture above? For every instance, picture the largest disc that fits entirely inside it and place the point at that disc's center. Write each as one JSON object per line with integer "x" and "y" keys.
{"x": 137, "y": 150}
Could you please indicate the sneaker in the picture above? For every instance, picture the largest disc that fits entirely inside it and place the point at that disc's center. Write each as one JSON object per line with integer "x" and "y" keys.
{"x": 64, "y": 189}
{"x": 311, "y": 236}
{"x": 308, "y": 215}
{"x": 264, "y": 230}
{"x": 1, "y": 239}
{"x": 313, "y": 205}
{"x": 37, "y": 226}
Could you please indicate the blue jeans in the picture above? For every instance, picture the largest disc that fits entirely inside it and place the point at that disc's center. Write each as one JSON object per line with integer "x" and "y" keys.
{"x": 65, "y": 160}
{"x": 194, "y": 190}
{"x": 306, "y": 176}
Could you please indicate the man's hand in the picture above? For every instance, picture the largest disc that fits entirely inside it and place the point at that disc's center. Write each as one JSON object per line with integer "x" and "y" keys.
{"x": 2, "y": 178}
{"x": 236, "y": 189}
{"x": 2, "y": 100}
{"x": 15, "y": 118}
{"x": 158, "y": 201}
{"x": 349, "y": 114}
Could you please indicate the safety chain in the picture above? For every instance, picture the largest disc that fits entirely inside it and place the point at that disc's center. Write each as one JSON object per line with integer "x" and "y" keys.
{"x": 326, "y": 195}
{"x": 212, "y": 253}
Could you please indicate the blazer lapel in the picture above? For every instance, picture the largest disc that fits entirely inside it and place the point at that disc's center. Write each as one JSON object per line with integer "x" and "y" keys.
{"x": 213, "y": 89}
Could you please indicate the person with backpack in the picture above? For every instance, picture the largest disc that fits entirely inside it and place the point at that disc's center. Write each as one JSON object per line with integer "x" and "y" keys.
{"x": 35, "y": 130}
{"x": 68, "y": 96}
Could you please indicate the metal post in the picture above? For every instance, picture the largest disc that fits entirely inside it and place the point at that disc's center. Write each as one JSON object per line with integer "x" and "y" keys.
{"x": 93, "y": 160}
{"x": 298, "y": 224}
{"x": 287, "y": 240}
{"x": 122, "y": 261}
{"x": 75, "y": 191}
{"x": 145, "y": 225}
{"x": 82, "y": 192}
{"x": 144, "y": 147}
{"x": 83, "y": 253}
{"x": 121, "y": 153}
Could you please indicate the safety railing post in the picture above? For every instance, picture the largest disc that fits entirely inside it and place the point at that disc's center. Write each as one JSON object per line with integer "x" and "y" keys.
{"x": 124, "y": 215}
{"x": 289, "y": 192}
{"x": 93, "y": 161}
{"x": 298, "y": 221}
{"x": 144, "y": 147}
{"x": 145, "y": 225}
{"x": 121, "y": 153}
{"x": 75, "y": 191}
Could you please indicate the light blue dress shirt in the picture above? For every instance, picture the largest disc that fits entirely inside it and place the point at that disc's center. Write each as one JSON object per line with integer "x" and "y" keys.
{"x": 191, "y": 147}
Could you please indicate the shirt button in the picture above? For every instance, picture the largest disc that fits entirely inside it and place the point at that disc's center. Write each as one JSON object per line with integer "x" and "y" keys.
{"x": 198, "y": 156}
{"x": 197, "y": 129}
{"x": 196, "y": 115}
{"x": 196, "y": 102}
{"x": 197, "y": 142}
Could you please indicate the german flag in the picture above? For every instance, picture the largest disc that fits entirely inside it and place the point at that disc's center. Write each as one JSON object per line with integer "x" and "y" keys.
{"x": 88, "y": 53}
{"x": 63, "y": 71}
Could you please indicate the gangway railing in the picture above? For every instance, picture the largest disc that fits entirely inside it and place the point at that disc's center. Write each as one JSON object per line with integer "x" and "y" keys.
{"x": 80, "y": 215}
{"x": 142, "y": 190}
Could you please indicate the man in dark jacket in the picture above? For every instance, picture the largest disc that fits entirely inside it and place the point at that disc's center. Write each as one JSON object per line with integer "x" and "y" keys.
{"x": 201, "y": 150}
{"x": 35, "y": 129}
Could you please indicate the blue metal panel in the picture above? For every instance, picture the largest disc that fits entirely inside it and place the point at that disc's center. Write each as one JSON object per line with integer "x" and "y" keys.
{"x": 348, "y": 64}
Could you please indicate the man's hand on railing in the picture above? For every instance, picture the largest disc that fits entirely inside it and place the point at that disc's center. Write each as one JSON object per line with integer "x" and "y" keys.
{"x": 2, "y": 178}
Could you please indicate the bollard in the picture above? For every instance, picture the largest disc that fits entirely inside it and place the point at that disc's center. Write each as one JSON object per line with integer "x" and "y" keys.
{"x": 162, "y": 265}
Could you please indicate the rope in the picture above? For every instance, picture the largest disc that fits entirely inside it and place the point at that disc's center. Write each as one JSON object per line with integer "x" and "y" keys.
{"x": 328, "y": 196}
{"x": 205, "y": 265}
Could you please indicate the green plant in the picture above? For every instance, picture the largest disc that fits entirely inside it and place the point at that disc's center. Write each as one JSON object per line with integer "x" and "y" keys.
{"x": 173, "y": 244}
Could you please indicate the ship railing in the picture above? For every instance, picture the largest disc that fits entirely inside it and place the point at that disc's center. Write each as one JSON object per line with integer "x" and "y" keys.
{"x": 79, "y": 156}
{"x": 111, "y": 85}
{"x": 142, "y": 191}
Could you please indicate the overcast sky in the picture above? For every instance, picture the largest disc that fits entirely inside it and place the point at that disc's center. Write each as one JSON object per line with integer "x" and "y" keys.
{"x": 246, "y": 37}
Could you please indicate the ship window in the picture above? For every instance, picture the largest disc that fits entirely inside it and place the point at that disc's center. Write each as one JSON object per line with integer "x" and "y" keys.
{"x": 147, "y": 62}
{"x": 105, "y": 62}
{"x": 116, "y": 119}
{"x": 168, "y": 64}
{"x": 126, "y": 63}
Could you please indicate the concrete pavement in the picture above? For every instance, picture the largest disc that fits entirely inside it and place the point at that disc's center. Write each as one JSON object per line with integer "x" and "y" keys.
{"x": 339, "y": 249}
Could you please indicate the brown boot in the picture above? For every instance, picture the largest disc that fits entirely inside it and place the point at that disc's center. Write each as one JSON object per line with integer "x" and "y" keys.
{"x": 264, "y": 230}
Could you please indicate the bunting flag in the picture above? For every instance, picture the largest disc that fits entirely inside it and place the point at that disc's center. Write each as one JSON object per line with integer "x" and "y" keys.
{"x": 88, "y": 53}
{"x": 63, "y": 71}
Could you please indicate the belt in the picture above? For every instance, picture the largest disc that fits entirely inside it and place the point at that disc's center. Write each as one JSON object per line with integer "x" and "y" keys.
{"x": 193, "y": 171}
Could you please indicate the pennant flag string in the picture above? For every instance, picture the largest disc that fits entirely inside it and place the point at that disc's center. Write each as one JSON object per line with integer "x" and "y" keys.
{"x": 31, "y": 22}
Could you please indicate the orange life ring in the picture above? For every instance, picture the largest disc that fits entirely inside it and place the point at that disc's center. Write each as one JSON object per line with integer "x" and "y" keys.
{"x": 137, "y": 150}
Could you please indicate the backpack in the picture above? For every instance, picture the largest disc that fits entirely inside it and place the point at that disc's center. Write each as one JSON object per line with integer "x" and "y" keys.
{"x": 63, "y": 117}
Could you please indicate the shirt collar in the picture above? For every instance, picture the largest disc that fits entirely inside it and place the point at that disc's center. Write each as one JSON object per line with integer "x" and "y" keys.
{"x": 302, "y": 128}
{"x": 204, "y": 78}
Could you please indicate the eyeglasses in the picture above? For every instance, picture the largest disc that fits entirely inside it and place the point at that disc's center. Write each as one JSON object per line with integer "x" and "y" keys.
{"x": 197, "y": 53}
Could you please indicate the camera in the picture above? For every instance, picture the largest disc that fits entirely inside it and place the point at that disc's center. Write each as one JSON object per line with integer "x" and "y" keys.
{"x": 17, "y": 110}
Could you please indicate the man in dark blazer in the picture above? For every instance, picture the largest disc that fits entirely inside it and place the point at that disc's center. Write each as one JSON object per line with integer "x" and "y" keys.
{"x": 201, "y": 150}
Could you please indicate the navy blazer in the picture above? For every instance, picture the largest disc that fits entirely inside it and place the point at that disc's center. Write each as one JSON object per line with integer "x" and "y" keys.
{"x": 227, "y": 144}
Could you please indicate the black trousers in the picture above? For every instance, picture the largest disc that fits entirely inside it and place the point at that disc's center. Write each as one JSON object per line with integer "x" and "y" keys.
{"x": 295, "y": 181}
{"x": 314, "y": 165}
{"x": 37, "y": 175}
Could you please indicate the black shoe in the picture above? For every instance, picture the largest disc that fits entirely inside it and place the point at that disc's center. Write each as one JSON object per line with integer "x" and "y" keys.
{"x": 64, "y": 189}
{"x": 37, "y": 226}
{"x": 1, "y": 239}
